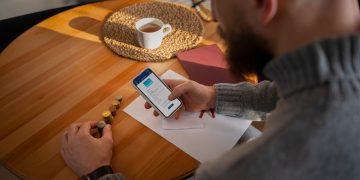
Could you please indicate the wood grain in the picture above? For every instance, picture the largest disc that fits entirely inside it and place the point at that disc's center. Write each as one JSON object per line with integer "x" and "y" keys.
{"x": 59, "y": 72}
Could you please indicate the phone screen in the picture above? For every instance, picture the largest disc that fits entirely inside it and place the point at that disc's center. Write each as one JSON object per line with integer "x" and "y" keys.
{"x": 156, "y": 92}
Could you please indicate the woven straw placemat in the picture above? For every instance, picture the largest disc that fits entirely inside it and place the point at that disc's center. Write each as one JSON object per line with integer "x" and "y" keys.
{"x": 119, "y": 31}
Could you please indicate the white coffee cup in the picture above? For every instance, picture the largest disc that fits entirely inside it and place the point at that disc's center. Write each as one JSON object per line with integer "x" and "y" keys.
{"x": 151, "y": 31}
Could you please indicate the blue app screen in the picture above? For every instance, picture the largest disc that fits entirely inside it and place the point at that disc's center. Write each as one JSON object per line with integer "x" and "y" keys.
{"x": 158, "y": 94}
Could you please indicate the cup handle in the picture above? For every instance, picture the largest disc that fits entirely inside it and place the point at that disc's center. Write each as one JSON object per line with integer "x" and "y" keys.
{"x": 167, "y": 29}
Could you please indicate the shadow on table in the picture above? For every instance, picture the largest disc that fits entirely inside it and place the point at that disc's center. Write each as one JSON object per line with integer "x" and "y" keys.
{"x": 153, "y": 12}
{"x": 86, "y": 24}
{"x": 118, "y": 43}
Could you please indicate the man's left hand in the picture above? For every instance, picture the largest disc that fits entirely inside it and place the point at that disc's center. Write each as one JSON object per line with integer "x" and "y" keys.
{"x": 82, "y": 152}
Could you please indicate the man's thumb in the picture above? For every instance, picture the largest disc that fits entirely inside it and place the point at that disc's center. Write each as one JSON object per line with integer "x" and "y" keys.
{"x": 107, "y": 133}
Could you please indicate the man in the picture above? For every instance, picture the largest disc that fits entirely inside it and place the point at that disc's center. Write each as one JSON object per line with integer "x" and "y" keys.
{"x": 311, "y": 51}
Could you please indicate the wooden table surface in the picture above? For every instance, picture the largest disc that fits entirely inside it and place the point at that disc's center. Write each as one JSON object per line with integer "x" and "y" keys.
{"x": 59, "y": 72}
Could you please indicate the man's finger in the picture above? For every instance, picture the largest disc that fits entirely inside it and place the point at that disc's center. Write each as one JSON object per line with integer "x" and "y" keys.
{"x": 93, "y": 124}
{"x": 62, "y": 151}
{"x": 107, "y": 133}
{"x": 180, "y": 90}
{"x": 147, "y": 105}
{"x": 156, "y": 113}
{"x": 86, "y": 126}
{"x": 172, "y": 83}
{"x": 64, "y": 140}
{"x": 177, "y": 114}
{"x": 73, "y": 130}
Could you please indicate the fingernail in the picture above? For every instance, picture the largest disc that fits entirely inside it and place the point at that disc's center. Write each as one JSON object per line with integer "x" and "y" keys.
{"x": 170, "y": 98}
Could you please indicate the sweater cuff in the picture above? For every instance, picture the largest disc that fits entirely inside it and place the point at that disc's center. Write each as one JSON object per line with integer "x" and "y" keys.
{"x": 229, "y": 102}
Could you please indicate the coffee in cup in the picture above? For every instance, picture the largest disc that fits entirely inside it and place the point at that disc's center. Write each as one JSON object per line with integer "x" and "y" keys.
{"x": 151, "y": 31}
{"x": 148, "y": 28}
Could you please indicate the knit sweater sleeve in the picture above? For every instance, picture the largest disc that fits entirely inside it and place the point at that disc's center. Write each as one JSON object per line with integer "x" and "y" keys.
{"x": 246, "y": 100}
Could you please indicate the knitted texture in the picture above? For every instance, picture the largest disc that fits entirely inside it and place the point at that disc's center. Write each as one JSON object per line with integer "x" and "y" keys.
{"x": 246, "y": 100}
{"x": 120, "y": 35}
{"x": 313, "y": 130}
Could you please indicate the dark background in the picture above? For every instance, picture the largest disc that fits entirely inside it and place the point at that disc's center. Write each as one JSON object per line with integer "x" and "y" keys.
{"x": 12, "y": 27}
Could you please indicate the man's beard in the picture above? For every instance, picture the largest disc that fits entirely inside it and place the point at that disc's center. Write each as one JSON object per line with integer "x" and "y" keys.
{"x": 247, "y": 54}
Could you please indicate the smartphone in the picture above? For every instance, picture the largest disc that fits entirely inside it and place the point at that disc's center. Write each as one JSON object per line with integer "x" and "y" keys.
{"x": 156, "y": 92}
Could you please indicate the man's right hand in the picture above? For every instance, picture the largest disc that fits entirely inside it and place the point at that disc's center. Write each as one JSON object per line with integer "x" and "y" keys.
{"x": 195, "y": 96}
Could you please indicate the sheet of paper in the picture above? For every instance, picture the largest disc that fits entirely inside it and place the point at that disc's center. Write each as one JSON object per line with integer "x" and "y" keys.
{"x": 217, "y": 137}
{"x": 170, "y": 74}
{"x": 186, "y": 120}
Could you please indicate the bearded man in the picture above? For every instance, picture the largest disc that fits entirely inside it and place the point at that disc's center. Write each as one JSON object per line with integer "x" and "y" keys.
{"x": 310, "y": 50}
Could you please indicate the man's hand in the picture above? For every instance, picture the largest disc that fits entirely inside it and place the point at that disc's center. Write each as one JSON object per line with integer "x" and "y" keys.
{"x": 195, "y": 96}
{"x": 82, "y": 152}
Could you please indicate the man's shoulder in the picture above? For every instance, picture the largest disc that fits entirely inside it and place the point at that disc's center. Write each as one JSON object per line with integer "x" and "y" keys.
{"x": 324, "y": 140}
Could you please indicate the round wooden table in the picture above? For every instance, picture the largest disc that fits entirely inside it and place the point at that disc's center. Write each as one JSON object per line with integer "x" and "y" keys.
{"x": 59, "y": 72}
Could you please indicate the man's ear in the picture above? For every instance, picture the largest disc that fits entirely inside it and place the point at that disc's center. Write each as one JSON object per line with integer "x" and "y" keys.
{"x": 267, "y": 10}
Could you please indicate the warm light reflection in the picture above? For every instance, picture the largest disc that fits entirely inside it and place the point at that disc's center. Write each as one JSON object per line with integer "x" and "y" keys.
{"x": 61, "y": 23}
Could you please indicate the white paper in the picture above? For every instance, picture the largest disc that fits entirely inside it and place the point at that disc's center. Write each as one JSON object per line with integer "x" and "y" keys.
{"x": 187, "y": 120}
{"x": 170, "y": 74}
{"x": 215, "y": 138}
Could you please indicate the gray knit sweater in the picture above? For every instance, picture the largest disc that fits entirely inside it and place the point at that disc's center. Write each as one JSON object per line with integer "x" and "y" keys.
{"x": 313, "y": 131}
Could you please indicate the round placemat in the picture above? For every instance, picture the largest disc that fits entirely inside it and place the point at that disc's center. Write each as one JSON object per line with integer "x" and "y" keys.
{"x": 120, "y": 35}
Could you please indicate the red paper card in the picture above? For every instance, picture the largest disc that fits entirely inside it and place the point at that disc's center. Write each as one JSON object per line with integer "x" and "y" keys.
{"x": 206, "y": 65}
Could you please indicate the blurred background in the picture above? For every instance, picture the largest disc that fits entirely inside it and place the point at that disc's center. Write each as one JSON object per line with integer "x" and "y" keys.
{"x": 16, "y": 16}
{"x": 12, "y": 8}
